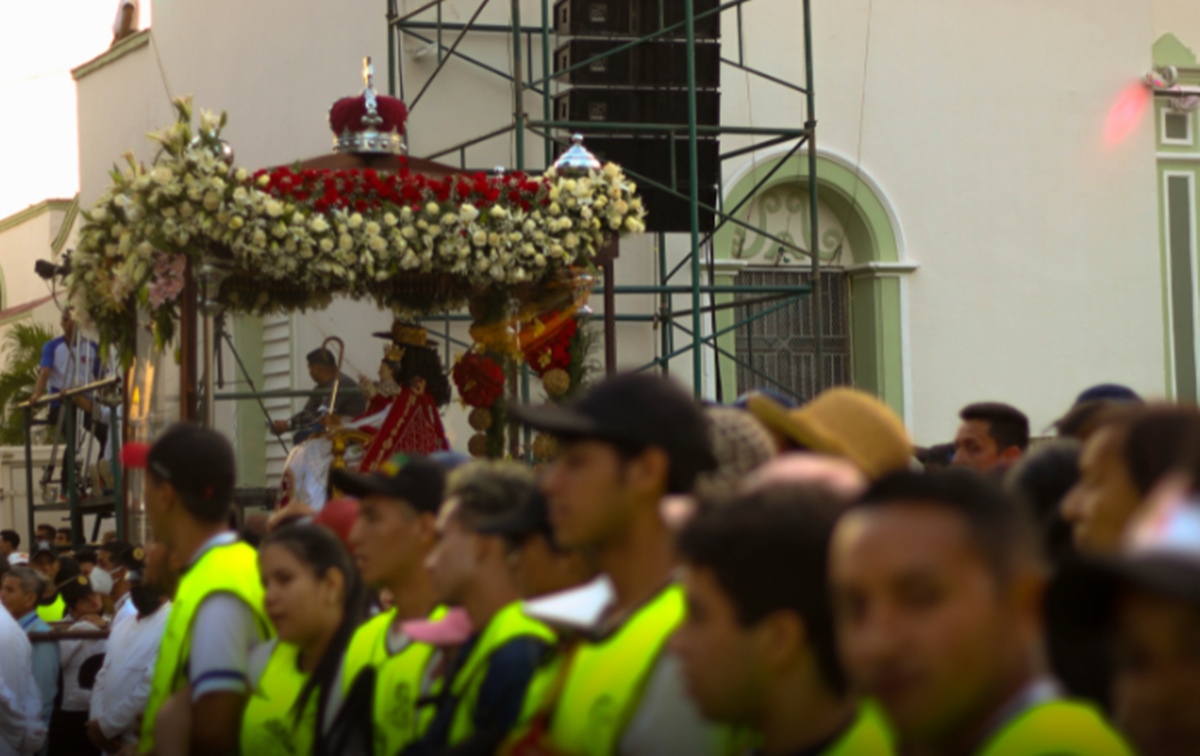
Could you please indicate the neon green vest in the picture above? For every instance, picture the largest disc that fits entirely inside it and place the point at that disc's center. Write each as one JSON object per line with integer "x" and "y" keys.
{"x": 604, "y": 684}
{"x": 869, "y": 735}
{"x": 53, "y": 612}
{"x": 509, "y": 624}
{"x": 223, "y": 569}
{"x": 1057, "y": 728}
{"x": 269, "y": 725}
{"x": 397, "y": 681}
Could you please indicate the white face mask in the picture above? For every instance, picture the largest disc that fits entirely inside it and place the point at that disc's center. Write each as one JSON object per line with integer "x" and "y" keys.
{"x": 102, "y": 581}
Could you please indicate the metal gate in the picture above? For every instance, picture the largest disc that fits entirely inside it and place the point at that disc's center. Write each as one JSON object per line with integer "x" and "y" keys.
{"x": 782, "y": 345}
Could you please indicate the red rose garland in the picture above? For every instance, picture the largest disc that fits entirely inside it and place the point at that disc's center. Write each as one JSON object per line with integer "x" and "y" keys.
{"x": 480, "y": 380}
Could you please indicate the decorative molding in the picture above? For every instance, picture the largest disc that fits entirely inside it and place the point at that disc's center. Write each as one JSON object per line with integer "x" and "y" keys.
{"x": 883, "y": 268}
{"x": 33, "y": 211}
{"x": 64, "y": 231}
{"x": 112, "y": 54}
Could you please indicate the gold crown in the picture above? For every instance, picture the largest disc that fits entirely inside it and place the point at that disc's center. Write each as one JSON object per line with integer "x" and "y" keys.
{"x": 410, "y": 335}
{"x": 393, "y": 352}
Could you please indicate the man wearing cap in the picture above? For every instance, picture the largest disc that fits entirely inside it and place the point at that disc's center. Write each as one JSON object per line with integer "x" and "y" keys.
{"x": 478, "y": 699}
{"x": 937, "y": 588}
{"x": 20, "y": 591}
{"x": 539, "y": 566}
{"x": 322, "y": 368}
{"x": 123, "y": 685}
{"x": 841, "y": 422}
{"x": 218, "y": 614}
{"x": 1144, "y": 604}
{"x": 629, "y": 442}
{"x": 383, "y": 668}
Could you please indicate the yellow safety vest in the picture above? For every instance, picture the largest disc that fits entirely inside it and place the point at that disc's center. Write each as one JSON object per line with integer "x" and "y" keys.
{"x": 395, "y": 722}
{"x": 604, "y": 684}
{"x": 869, "y": 735}
{"x": 222, "y": 569}
{"x": 1057, "y": 728}
{"x": 53, "y": 612}
{"x": 509, "y": 624}
{"x": 269, "y": 725}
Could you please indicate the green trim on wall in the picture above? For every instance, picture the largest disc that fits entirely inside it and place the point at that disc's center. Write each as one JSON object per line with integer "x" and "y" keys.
{"x": 33, "y": 211}
{"x": 112, "y": 54}
{"x": 877, "y": 339}
{"x": 1169, "y": 51}
{"x": 64, "y": 230}
{"x": 251, "y": 433}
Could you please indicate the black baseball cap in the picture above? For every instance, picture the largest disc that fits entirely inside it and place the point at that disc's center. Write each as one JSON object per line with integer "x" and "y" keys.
{"x": 192, "y": 459}
{"x": 417, "y": 480}
{"x": 528, "y": 516}
{"x": 635, "y": 411}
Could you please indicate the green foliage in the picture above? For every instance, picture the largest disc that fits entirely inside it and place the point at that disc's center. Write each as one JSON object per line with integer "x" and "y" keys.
{"x": 22, "y": 347}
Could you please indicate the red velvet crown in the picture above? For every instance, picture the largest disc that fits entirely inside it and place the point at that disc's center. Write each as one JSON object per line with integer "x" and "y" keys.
{"x": 368, "y": 123}
{"x": 347, "y": 114}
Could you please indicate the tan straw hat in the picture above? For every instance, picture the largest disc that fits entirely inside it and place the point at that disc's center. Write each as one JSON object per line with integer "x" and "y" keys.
{"x": 841, "y": 422}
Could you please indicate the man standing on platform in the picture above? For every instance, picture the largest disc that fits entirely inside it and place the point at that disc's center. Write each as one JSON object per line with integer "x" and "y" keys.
{"x": 322, "y": 367}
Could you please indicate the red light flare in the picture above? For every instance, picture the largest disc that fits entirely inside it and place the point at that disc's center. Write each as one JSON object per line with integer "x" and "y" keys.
{"x": 1126, "y": 113}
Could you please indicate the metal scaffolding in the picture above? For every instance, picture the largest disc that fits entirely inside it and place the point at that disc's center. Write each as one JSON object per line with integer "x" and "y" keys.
{"x": 427, "y": 26}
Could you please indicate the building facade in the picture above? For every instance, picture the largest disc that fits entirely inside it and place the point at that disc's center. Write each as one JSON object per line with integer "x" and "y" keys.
{"x": 1006, "y": 213}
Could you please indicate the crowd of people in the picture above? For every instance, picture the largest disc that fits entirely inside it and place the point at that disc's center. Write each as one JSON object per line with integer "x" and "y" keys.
{"x": 758, "y": 578}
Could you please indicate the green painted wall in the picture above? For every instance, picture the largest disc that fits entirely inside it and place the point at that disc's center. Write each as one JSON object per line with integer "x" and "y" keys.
{"x": 251, "y": 433}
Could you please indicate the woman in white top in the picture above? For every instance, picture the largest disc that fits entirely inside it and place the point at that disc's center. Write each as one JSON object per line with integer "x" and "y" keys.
{"x": 68, "y": 726}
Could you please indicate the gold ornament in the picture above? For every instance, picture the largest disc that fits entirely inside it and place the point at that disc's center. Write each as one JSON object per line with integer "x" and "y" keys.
{"x": 480, "y": 418}
{"x": 556, "y": 382}
{"x": 545, "y": 446}
{"x": 478, "y": 445}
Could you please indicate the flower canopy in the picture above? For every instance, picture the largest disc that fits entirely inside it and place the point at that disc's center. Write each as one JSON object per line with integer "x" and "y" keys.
{"x": 293, "y": 239}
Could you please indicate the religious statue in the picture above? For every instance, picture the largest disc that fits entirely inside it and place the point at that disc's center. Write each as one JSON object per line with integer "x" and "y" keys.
{"x": 402, "y": 415}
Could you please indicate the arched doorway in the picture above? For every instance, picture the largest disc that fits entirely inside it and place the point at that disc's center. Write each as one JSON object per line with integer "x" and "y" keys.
{"x": 862, "y": 269}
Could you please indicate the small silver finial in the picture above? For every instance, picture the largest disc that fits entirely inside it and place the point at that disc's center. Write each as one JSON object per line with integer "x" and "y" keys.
{"x": 577, "y": 159}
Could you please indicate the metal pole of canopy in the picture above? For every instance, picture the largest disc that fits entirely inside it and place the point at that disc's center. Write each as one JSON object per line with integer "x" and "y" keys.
{"x": 689, "y": 11}
{"x": 813, "y": 231}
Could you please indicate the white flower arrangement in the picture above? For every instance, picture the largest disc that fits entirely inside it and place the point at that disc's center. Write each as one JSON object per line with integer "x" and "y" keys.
{"x": 294, "y": 239}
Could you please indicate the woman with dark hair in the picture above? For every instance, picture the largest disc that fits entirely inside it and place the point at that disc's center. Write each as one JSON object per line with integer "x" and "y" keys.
{"x": 413, "y": 424}
{"x": 315, "y": 600}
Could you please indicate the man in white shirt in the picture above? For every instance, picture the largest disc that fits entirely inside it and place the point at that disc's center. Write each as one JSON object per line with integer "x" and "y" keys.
{"x": 123, "y": 685}
{"x": 21, "y": 728}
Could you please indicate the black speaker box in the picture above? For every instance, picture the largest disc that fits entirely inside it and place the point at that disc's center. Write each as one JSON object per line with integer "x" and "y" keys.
{"x": 631, "y": 18}
{"x": 636, "y": 106}
{"x": 651, "y": 64}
